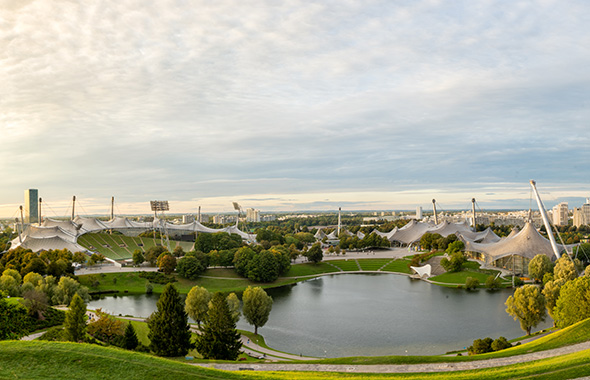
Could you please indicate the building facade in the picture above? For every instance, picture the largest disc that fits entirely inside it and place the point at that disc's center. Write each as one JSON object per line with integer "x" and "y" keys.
{"x": 31, "y": 206}
{"x": 560, "y": 214}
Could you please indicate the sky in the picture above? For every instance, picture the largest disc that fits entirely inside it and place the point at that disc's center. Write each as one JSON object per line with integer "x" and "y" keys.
{"x": 293, "y": 105}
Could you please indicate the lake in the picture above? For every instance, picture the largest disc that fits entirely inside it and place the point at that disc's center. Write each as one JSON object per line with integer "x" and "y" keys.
{"x": 367, "y": 315}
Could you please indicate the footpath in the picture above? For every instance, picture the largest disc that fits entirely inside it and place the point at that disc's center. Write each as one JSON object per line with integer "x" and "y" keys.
{"x": 403, "y": 368}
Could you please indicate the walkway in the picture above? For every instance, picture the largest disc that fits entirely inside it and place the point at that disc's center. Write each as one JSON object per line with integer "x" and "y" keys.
{"x": 403, "y": 368}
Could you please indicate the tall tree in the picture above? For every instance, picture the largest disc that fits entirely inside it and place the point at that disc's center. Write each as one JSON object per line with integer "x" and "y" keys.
{"x": 564, "y": 268}
{"x": 130, "y": 342}
{"x": 169, "y": 329}
{"x": 196, "y": 304}
{"x": 75, "y": 322}
{"x": 13, "y": 320}
{"x": 538, "y": 266}
{"x": 573, "y": 304}
{"x": 257, "y": 306}
{"x": 527, "y": 305}
{"x": 315, "y": 254}
{"x": 219, "y": 338}
{"x": 233, "y": 303}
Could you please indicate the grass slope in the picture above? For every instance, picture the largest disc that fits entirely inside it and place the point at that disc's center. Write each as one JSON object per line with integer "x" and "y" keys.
{"x": 56, "y": 360}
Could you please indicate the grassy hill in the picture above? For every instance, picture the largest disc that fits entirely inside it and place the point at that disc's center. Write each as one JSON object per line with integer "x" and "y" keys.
{"x": 55, "y": 360}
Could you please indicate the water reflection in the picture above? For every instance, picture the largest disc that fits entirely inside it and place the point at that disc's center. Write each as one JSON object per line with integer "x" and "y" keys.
{"x": 348, "y": 315}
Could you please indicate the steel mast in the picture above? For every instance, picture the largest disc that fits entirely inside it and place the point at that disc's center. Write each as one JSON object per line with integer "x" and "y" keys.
{"x": 545, "y": 220}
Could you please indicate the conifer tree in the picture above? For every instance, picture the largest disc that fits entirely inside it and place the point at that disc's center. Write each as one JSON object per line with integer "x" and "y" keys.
{"x": 219, "y": 338}
{"x": 169, "y": 329}
{"x": 131, "y": 341}
{"x": 75, "y": 322}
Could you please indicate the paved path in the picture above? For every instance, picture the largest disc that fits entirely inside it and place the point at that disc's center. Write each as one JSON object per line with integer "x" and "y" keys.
{"x": 404, "y": 368}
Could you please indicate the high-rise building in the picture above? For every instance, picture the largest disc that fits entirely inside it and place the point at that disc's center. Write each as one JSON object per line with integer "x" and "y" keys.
{"x": 252, "y": 215}
{"x": 31, "y": 206}
{"x": 419, "y": 213}
{"x": 582, "y": 215}
{"x": 560, "y": 214}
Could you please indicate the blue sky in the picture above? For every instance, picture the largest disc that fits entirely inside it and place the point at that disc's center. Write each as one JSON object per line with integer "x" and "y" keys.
{"x": 294, "y": 105}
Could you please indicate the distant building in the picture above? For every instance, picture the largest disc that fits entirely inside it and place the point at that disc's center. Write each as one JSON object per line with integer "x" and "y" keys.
{"x": 268, "y": 218}
{"x": 582, "y": 215}
{"x": 419, "y": 213}
{"x": 188, "y": 219}
{"x": 560, "y": 214}
{"x": 252, "y": 215}
{"x": 31, "y": 206}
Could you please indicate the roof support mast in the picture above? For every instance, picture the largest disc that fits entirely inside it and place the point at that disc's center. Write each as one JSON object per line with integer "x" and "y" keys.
{"x": 545, "y": 220}
{"x": 473, "y": 207}
{"x": 73, "y": 206}
{"x": 434, "y": 210}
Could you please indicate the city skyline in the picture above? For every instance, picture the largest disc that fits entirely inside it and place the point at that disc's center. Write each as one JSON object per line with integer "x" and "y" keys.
{"x": 294, "y": 106}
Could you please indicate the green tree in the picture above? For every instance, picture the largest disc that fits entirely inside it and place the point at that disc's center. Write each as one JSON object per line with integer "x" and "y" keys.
{"x": 455, "y": 263}
{"x": 538, "y": 266}
{"x": 197, "y": 304}
{"x": 500, "y": 344}
{"x": 178, "y": 251}
{"x": 152, "y": 254}
{"x": 315, "y": 254}
{"x": 480, "y": 346}
{"x": 257, "y": 307}
{"x": 471, "y": 283}
{"x": 191, "y": 267}
{"x": 263, "y": 267}
{"x": 79, "y": 257}
{"x": 219, "y": 338}
{"x": 527, "y": 305}
{"x": 455, "y": 246}
{"x": 169, "y": 333}
{"x": 493, "y": 283}
{"x": 551, "y": 292}
{"x": 130, "y": 342}
{"x": 167, "y": 263}
{"x": 75, "y": 322}
{"x": 138, "y": 258}
{"x": 13, "y": 320}
{"x": 65, "y": 290}
{"x": 106, "y": 327}
{"x": 573, "y": 304}
{"x": 233, "y": 303}
{"x": 564, "y": 268}
{"x": 241, "y": 260}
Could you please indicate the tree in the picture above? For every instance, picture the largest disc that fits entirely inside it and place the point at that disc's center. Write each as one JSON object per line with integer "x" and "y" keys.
{"x": 75, "y": 322}
{"x": 455, "y": 246}
{"x": 573, "y": 304}
{"x": 527, "y": 305}
{"x": 178, "y": 251}
{"x": 191, "y": 267}
{"x": 471, "y": 283}
{"x": 564, "y": 268}
{"x": 197, "y": 304}
{"x": 130, "y": 341}
{"x": 257, "y": 306}
{"x": 167, "y": 263}
{"x": 551, "y": 292}
{"x": 65, "y": 290}
{"x": 315, "y": 254}
{"x": 152, "y": 254}
{"x": 538, "y": 266}
{"x": 169, "y": 333}
{"x": 36, "y": 302}
{"x": 263, "y": 267}
{"x": 233, "y": 303}
{"x": 79, "y": 257}
{"x": 500, "y": 344}
{"x": 106, "y": 328}
{"x": 219, "y": 338}
{"x": 493, "y": 283}
{"x": 455, "y": 263}
{"x": 13, "y": 320}
{"x": 138, "y": 258}
{"x": 480, "y": 346}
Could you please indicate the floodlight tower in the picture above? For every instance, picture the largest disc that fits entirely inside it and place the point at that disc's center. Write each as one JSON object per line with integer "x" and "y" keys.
{"x": 238, "y": 208}
{"x": 73, "y": 206}
{"x": 161, "y": 206}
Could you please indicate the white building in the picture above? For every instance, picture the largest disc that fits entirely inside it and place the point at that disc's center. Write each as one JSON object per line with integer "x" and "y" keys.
{"x": 252, "y": 215}
{"x": 560, "y": 214}
{"x": 419, "y": 213}
{"x": 582, "y": 215}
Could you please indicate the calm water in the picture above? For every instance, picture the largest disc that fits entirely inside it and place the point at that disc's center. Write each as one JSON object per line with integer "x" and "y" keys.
{"x": 361, "y": 314}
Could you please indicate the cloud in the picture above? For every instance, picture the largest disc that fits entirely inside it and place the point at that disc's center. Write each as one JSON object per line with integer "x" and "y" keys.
{"x": 200, "y": 99}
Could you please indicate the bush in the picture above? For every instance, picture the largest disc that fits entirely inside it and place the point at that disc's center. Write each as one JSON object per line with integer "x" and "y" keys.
{"x": 157, "y": 277}
{"x": 471, "y": 283}
{"x": 54, "y": 334}
{"x": 500, "y": 344}
{"x": 455, "y": 263}
{"x": 149, "y": 288}
{"x": 493, "y": 283}
{"x": 192, "y": 267}
{"x": 480, "y": 346}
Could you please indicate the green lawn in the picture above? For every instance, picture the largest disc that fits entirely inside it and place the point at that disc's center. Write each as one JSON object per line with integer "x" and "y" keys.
{"x": 309, "y": 269}
{"x": 347, "y": 265}
{"x": 399, "y": 265}
{"x": 372, "y": 264}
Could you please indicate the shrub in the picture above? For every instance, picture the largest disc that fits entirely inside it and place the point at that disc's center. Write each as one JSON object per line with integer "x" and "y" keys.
{"x": 500, "y": 344}
{"x": 493, "y": 283}
{"x": 157, "y": 277}
{"x": 471, "y": 283}
{"x": 480, "y": 346}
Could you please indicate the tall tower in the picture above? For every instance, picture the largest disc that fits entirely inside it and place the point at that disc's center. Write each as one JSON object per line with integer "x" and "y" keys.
{"x": 31, "y": 206}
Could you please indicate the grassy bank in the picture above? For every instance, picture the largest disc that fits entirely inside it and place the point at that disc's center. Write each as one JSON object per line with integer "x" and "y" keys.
{"x": 52, "y": 360}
